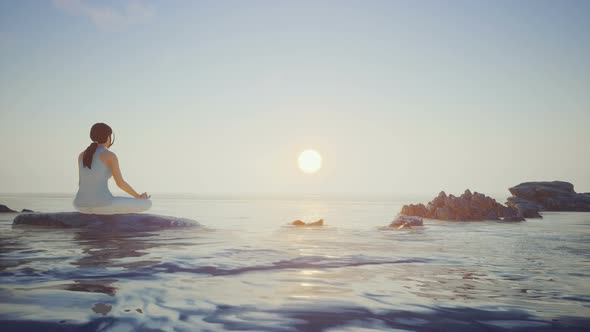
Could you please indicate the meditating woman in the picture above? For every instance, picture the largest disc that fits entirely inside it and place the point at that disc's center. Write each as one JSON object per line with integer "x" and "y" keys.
{"x": 96, "y": 165}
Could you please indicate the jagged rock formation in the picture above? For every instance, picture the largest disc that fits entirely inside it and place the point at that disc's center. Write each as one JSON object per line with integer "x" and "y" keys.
{"x": 467, "y": 207}
{"x": 548, "y": 196}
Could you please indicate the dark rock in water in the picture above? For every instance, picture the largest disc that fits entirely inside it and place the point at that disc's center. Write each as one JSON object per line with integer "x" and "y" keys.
{"x": 550, "y": 195}
{"x": 526, "y": 209}
{"x": 27, "y": 210}
{"x": 4, "y": 208}
{"x": 403, "y": 221}
{"x": 506, "y": 211}
{"x": 102, "y": 308}
{"x": 467, "y": 207}
{"x": 315, "y": 223}
{"x": 532, "y": 190}
{"x": 513, "y": 218}
{"x": 491, "y": 215}
{"x": 128, "y": 221}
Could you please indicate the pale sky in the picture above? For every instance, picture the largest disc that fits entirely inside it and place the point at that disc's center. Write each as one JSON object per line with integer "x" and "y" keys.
{"x": 399, "y": 97}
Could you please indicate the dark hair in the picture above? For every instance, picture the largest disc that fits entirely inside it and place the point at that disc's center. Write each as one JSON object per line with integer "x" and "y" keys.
{"x": 99, "y": 133}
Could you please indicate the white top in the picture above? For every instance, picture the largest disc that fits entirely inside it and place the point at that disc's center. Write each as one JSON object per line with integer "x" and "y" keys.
{"x": 93, "y": 186}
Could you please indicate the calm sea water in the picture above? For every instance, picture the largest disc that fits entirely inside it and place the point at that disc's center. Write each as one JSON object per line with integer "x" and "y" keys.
{"x": 246, "y": 269}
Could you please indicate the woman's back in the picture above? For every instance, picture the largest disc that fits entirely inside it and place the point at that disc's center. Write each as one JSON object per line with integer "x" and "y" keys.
{"x": 93, "y": 184}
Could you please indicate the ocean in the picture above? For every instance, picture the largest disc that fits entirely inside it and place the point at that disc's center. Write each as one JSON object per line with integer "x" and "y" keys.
{"x": 245, "y": 268}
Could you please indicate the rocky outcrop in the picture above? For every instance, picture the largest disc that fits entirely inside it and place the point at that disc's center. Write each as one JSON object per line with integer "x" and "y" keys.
{"x": 303, "y": 224}
{"x": 119, "y": 222}
{"x": 26, "y": 210}
{"x": 414, "y": 210}
{"x": 467, "y": 207}
{"x": 6, "y": 209}
{"x": 548, "y": 196}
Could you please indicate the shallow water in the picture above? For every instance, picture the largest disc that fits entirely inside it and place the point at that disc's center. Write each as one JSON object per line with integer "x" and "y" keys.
{"x": 246, "y": 269}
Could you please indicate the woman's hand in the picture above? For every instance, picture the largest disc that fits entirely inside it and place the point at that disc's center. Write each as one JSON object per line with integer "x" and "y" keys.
{"x": 144, "y": 196}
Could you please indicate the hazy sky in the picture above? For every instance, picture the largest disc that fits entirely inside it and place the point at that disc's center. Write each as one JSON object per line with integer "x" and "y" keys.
{"x": 221, "y": 96}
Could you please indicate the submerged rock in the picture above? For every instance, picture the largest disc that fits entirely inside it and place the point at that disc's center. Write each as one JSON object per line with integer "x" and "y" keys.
{"x": 315, "y": 223}
{"x": 549, "y": 196}
{"x": 102, "y": 308}
{"x": 128, "y": 221}
{"x": 4, "y": 208}
{"x": 467, "y": 207}
{"x": 402, "y": 221}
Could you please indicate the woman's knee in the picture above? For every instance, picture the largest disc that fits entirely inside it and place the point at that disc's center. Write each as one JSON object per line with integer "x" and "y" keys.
{"x": 85, "y": 210}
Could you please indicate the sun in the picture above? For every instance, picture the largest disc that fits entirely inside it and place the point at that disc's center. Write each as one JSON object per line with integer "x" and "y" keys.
{"x": 310, "y": 161}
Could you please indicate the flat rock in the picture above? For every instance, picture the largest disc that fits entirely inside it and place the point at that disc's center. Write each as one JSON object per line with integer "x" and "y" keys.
{"x": 550, "y": 196}
{"x": 127, "y": 221}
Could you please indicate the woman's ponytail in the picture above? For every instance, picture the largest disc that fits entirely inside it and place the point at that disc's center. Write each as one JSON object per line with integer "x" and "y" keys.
{"x": 99, "y": 133}
{"x": 88, "y": 153}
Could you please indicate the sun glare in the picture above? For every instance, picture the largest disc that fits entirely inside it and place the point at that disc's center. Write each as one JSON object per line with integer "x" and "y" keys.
{"x": 309, "y": 161}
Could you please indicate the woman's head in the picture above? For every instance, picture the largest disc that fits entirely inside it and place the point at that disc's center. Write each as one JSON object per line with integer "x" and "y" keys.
{"x": 100, "y": 133}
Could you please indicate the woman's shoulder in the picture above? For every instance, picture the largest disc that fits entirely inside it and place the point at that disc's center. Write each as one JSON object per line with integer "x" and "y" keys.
{"x": 107, "y": 155}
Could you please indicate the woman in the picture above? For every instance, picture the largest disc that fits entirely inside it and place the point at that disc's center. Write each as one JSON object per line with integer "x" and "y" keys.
{"x": 96, "y": 165}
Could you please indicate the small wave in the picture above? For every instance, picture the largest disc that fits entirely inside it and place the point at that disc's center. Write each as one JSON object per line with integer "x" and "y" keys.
{"x": 305, "y": 262}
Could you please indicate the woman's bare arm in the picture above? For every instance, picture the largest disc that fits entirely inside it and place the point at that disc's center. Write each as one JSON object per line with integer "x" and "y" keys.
{"x": 79, "y": 166}
{"x": 114, "y": 166}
